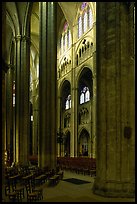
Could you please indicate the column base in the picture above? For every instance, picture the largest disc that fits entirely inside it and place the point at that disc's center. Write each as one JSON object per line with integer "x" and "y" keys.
{"x": 116, "y": 189}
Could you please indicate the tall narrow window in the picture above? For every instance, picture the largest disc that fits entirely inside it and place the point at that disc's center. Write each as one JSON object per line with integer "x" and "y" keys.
{"x": 82, "y": 98}
{"x": 13, "y": 100}
{"x": 85, "y": 22}
{"x": 69, "y": 98}
{"x": 65, "y": 40}
{"x": 61, "y": 44}
{"x": 90, "y": 18}
{"x": 87, "y": 95}
{"x": 69, "y": 38}
{"x": 68, "y": 102}
{"x": 13, "y": 93}
{"x": 80, "y": 27}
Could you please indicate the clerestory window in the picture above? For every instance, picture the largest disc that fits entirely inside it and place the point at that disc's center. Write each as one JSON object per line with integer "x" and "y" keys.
{"x": 65, "y": 39}
{"x": 85, "y": 19}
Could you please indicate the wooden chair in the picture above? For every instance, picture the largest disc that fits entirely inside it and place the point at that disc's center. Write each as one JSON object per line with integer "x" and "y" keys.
{"x": 32, "y": 195}
{"x": 19, "y": 189}
{"x": 13, "y": 195}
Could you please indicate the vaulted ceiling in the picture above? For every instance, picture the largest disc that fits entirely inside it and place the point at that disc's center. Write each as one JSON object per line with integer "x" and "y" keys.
{"x": 16, "y": 17}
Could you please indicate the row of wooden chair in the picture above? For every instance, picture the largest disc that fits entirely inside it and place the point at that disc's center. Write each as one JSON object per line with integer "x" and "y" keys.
{"x": 78, "y": 165}
{"x": 33, "y": 183}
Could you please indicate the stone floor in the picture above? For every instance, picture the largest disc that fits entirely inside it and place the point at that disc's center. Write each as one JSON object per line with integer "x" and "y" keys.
{"x": 68, "y": 192}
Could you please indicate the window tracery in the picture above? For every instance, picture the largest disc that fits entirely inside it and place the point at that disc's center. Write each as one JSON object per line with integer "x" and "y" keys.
{"x": 84, "y": 95}
{"x": 85, "y": 19}
{"x": 65, "y": 39}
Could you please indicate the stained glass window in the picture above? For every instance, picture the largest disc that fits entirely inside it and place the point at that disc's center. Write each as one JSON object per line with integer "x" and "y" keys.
{"x": 85, "y": 95}
{"x": 13, "y": 93}
{"x": 85, "y": 19}
{"x": 79, "y": 26}
{"x": 69, "y": 38}
{"x": 68, "y": 102}
{"x": 82, "y": 98}
{"x": 90, "y": 18}
{"x": 84, "y": 4}
{"x": 85, "y": 22}
{"x": 13, "y": 100}
{"x": 66, "y": 43}
{"x": 65, "y": 40}
{"x": 65, "y": 26}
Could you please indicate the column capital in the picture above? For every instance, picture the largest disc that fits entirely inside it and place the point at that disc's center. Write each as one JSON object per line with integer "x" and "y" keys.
{"x": 25, "y": 38}
{"x": 17, "y": 38}
{"x": 11, "y": 66}
{"x": 22, "y": 38}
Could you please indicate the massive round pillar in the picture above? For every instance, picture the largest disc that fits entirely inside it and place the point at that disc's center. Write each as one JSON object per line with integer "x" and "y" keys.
{"x": 47, "y": 85}
{"x": 115, "y": 176}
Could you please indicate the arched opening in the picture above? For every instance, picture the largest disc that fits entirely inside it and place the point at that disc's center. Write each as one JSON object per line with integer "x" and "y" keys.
{"x": 67, "y": 144}
{"x": 84, "y": 143}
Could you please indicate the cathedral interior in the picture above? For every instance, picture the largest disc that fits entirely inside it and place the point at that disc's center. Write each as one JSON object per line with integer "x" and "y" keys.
{"x": 68, "y": 94}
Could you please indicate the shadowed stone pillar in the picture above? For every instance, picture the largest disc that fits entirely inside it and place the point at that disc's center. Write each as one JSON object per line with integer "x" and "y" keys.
{"x": 22, "y": 115}
{"x": 9, "y": 112}
{"x": 93, "y": 132}
{"x": 17, "y": 96}
{"x": 59, "y": 121}
{"x": 25, "y": 108}
{"x": 115, "y": 161}
{"x": 74, "y": 120}
{"x": 35, "y": 126}
{"x": 35, "y": 118}
{"x": 3, "y": 78}
{"x": 47, "y": 85}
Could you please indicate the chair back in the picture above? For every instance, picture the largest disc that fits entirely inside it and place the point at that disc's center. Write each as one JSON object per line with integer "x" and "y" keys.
{"x": 28, "y": 187}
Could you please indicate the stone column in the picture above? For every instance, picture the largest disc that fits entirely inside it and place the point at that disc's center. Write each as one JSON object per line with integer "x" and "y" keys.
{"x": 72, "y": 132}
{"x": 115, "y": 161}
{"x": 9, "y": 108}
{"x": 94, "y": 95}
{"x": 3, "y": 99}
{"x": 25, "y": 108}
{"x": 22, "y": 115}
{"x": 35, "y": 119}
{"x": 14, "y": 91}
{"x": 74, "y": 119}
{"x": 59, "y": 122}
{"x": 47, "y": 85}
{"x": 35, "y": 127}
{"x": 93, "y": 107}
{"x": 17, "y": 97}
